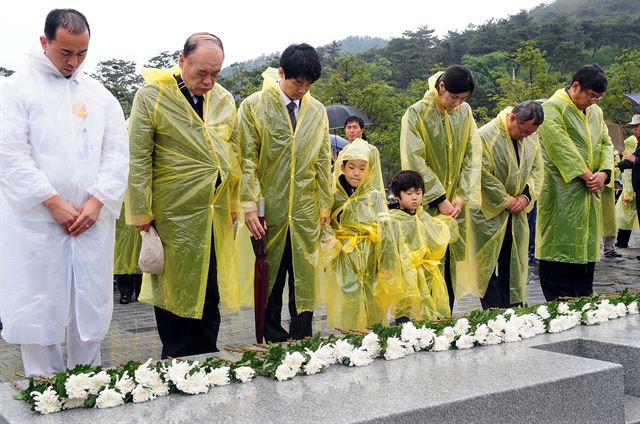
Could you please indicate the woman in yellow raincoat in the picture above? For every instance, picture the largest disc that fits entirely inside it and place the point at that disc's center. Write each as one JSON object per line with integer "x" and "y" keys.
{"x": 185, "y": 179}
{"x": 286, "y": 158}
{"x": 355, "y": 295}
{"x": 439, "y": 139}
{"x": 512, "y": 173}
{"x": 421, "y": 242}
{"x": 626, "y": 214}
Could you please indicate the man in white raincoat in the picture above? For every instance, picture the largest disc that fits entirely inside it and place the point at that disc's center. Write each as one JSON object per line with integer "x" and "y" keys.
{"x": 64, "y": 152}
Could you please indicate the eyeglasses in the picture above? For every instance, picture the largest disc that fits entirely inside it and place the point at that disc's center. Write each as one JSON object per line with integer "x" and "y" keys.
{"x": 524, "y": 131}
{"x": 593, "y": 96}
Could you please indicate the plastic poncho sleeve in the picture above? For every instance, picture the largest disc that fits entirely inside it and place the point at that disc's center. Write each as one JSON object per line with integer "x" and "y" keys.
{"x": 560, "y": 148}
{"x": 323, "y": 173}
{"x": 140, "y": 159}
{"x": 22, "y": 182}
{"x": 249, "y": 141}
{"x": 470, "y": 179}
{"x": 235, "y": 185}
{"x": 413, "y": 152}
{"x": 494, "y": 194}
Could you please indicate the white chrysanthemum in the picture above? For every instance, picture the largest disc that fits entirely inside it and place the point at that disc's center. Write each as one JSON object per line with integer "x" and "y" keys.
{"x": 621, "y": 309}
{"x": 284, "y": 372}
{"x": 142, "y": 394}
{"x": 108, "y": 398}
{"x": 425, "y": 337}
{"x": 512, "y": 331}
{"x": 146, "y": 376}
{"x": 465, "y": 341}
{"x": 178, "y": 370}
{"x": 586, "y": 306}
{"x": 543, "y": 312}
{"x": 602, "y": 315}
{"x": 395, "y": 349}
{"x": 326, "y": 354}
{"x": 343, "y": 349}
{"x": 314, "y": 366}
{"x": 125, "y": 384}
{"x": 509, "y": 312}
{"x": 77, "y": 386}
{"x": 633, "y": 308}
{"x": 47, "y": 402}
{"x": 449, "y": 333}
{"x": 555, "y": 325}
{"x": 98, "y": 381}
{"x": 371, "y": 343}
{"x": 481, "y": 333}
{"x": 591, "y": 317}
{"x": 461, "y": 327}
{"x": 563, "y": 308}
{"x": 441, "y": 344}
{"x": 194, "y": 384}
{"x": 160, "y": 388}
{"x": 72, "y": 403}
{"x": 497, "y": 325}
{"x": 244, "y": 374}
{"x": 410, "y": 336}
{"x": 568, "y": 321}
{"x": 491, "y": 339}
{"x": 294, "y": 360}
{"x": 360, "y": 358}
{"x": 218, "y": 376}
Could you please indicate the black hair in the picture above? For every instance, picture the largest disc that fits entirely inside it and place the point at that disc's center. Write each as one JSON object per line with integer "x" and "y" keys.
{"x": 197, "y": 39}
{"x": 458, "y": 79}
{"x": 69, "y": 19}
{"x": 354, "y": 119}
{"x": 301, "y": 60}
{"x": 529, "y": 110}
{"x": 591, "y": 77}
{"x": 405, "y": 180}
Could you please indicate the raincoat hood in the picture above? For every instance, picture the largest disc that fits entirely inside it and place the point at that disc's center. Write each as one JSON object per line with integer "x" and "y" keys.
{"x": 41, "y": 62}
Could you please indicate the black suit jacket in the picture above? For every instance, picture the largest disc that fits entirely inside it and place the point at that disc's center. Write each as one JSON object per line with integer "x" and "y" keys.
{"x": 635, "y": 169}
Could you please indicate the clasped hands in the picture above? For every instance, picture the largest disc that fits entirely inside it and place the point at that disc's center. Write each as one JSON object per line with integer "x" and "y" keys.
{"x": 74, "y": 221}
{"x": 594, "y": 180}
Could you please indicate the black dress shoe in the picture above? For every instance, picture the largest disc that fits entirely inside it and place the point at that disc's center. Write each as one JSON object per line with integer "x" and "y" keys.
{"x": 612, "y": 254}
{"x": 125, "y": 299}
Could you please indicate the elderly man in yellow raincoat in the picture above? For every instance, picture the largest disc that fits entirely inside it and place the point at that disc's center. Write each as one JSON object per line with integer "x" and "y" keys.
{"x": 578, "y": 161}
{"x": 626, "y": 214}
{"x": 439, "y": 139}
{"x": 184, "y": 181}
{"x": 286, "y": 158}
{"x": 512, "y": 173}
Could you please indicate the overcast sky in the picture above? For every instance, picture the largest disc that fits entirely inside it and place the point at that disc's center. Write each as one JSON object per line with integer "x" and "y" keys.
{"x": 138, "y": 30}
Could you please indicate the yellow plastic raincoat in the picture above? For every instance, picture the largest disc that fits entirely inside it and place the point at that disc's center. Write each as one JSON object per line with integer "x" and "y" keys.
{"x": 502, "y": 179}
{"x": 569, "y": 223}
{"x": 626, "y": 214}
{"x": 422, "y": 242}
{"x": 292, "y": 171}
{"x": 185, "y": 176}
{"x": 446, "y": 149}
{"x": 355, "y": 296}
{"x": 127, "y": 248}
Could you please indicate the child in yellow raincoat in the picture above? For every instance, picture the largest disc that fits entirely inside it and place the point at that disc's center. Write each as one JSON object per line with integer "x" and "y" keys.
{"x": 355, "y": 294}
{"x": 421, "y": 241}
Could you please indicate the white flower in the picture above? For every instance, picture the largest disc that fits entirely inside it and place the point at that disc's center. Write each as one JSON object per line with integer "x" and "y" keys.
{"x": 178, "y": 370}
{"x": 218, "y": 376}
{"x": 108, "y": 398}
{"x": 621, "y": 309}
{"x": 425, "y": 336}
{"x": 343, "y": 349}
{"x": 509, "y": 312}
{"x": 497, "y": 325}
{"x": 441, "y": 344}
{"x": 512, "y": 331}
{"x": 543, "y": 312}
{"x": 244, "y": 374}
{"x": 77, "y": 386}
{"x": 314, "y": 366}
{"x": 555, "y": 325}
{"x": 284, "y": 372}
{"x": 633, "y": 308}
{"x": 481, "y": 333}
{"x": 359, "y": 358}
{"x": 569, "y": 321}
{"x": 326, "y": 354}
{"x": 47, "y": 402}
{"x": 465, "y": 341}
{"x": 72, "y": 403}
{"x": 592, "y": 317}
{"x": 449, "y": 333}
{"x": 395, "y": 349}
{"x": 194, "y": 383}
{"x": 142, "y": 394}
{"x": 294, "y": 360}
{"x": 146, "y": 376}
{"x": 461, "y": 327}
{"x": 98, "y": 381}
{"x": 491, "y": 339}
{"x": 125, "y": 384}
{"x": 602, "y": 314}
{"x": 371, "y": 343}
{"x": 563, "y": 308}
{"x": 160, "y": 388}
{"x": 586, "y": 306}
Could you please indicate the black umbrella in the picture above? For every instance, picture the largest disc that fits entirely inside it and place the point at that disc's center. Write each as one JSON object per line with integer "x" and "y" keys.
{"x": 337, "y": 114}
{"x": 260, "y": 280}
{"x": 635, "y": 99}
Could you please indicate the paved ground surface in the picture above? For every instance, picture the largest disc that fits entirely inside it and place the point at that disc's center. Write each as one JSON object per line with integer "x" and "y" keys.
{"x": 133, "y": 332}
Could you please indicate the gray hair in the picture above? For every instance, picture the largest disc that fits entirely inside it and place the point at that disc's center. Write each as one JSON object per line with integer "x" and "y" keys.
{"x": 529, "y": 110}
{"x": 199, "y": 38}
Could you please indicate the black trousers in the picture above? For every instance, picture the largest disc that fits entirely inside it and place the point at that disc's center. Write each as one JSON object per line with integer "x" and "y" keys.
{"x": 300, "y": 325}
{"x": 128, "y": 284}
{"x": 560, "y": 279}
{"x": 447, "y": 279}
{"x": 189, "y": 336}
{"x": 498, "y": 294}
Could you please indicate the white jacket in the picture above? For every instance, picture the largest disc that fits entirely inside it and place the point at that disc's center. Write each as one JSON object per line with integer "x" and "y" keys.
{"x": 67, "y": 137}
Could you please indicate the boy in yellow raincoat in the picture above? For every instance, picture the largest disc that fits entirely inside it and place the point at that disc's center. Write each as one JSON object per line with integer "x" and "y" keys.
{"x": 355, "y": 296}
{"x": 421, "y": 242}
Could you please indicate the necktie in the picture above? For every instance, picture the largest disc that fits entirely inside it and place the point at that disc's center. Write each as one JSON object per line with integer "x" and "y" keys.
{"x": 199, "y": 105}
{"x": 292, "y": 114}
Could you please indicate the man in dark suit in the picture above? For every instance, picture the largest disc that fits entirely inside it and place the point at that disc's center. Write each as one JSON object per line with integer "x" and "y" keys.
{"x": 632, "y": 162}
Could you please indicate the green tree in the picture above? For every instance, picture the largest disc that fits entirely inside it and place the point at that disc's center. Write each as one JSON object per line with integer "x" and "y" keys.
{"x": 121, "y": 79}
{"x": 164, "y": 60}
{"x": 624, "y": 78}
{"x": 4, "y": 72}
